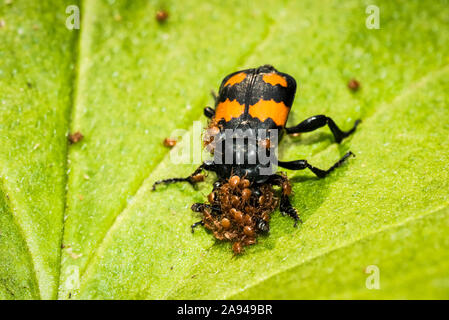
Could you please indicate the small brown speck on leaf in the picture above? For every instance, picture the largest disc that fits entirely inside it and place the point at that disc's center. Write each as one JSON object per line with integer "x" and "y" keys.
{"x": 161, "y": 16}
{"x": 75, "y": 137}
{"x": 353, "y": 85}
{"x": 74, "y": 255}
{"x": 169, "y": 142}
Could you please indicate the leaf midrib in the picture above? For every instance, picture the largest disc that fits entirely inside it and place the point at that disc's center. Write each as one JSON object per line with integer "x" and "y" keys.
{"x": 71, "y": 113}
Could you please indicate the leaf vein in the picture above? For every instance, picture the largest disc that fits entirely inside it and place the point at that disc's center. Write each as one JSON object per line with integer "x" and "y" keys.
{"x": 8, "y": 200}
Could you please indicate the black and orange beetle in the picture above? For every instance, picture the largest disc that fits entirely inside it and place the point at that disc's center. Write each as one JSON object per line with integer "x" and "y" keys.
{"x": 247, "y": 123}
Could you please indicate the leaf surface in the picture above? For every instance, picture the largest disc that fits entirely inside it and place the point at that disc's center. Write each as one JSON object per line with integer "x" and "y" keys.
{"x": 126, "y": 82}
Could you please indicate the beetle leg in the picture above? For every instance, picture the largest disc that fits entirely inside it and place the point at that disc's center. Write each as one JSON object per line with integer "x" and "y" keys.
{"x": 200, "y": 207}
{"x": 303, "y": 164}
{"x": 196, "y": 224}
{"x": 285, "y": 206}
{"x": 319, "y": 121}
{"x": 206, "y": 210}
{"x": 214, "y": 95}
{"x": 194, "y": 178}
{"x": 209, "y": 112}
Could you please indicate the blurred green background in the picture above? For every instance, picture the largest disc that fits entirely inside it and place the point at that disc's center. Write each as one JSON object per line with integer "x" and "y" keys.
{"x": 80, "y": 221}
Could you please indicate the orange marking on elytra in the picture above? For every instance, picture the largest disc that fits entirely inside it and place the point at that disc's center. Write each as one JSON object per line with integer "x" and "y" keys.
{"x": 274, "y": 79}
{"x": 239, "y": 77}
{"x": 229, "y": 109}
{"x": 265, "y": 109}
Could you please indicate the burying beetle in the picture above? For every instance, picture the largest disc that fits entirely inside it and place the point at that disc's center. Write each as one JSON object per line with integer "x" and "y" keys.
{"x": 257, "y": 101}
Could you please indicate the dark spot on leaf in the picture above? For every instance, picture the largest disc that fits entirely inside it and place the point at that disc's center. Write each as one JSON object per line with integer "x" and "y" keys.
{"x": 75, "y": 137}
{"x": 169, "y": 142}
{"x": 353, "y": 85}
{"x": 161, "y": 16}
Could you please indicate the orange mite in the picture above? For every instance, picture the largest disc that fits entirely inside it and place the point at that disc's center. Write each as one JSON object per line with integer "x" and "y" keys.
{"x": 169, "y": 142}
{"x": 161, "y": 16}
{"x": 75, "y": 137}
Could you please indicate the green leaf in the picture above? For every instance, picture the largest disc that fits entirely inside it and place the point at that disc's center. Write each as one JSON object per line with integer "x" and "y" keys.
{"x": 37, "y": 57}
{"x": 81, "y": 221}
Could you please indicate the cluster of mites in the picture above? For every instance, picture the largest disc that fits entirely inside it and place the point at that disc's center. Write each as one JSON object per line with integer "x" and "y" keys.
{"x": 238, "y": 211}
